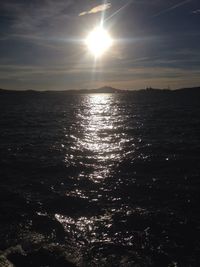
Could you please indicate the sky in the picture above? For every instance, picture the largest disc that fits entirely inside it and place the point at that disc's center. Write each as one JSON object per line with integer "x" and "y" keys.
{"x": 156, "y": 43}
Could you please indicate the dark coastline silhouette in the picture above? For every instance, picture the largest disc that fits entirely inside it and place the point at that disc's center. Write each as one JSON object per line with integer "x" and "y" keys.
{"x": 109, "y": 90}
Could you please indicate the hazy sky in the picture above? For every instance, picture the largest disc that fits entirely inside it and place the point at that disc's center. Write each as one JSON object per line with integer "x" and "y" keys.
{"x": 157, "y": 43}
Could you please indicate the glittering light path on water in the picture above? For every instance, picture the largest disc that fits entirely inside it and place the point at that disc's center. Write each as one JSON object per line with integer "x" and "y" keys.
{"x": 101, "y": 142}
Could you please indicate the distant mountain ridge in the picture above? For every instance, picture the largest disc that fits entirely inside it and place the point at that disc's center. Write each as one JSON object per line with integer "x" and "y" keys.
{"x": 108, "y": 90}
{"x": 101, "y": 90}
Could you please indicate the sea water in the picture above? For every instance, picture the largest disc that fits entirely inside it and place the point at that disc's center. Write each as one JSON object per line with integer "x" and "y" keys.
{"x": 99, "y": 179}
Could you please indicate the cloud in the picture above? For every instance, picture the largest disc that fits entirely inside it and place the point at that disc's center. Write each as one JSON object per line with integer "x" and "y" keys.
{"x": 32, "y": 18}
{"x": 172, "y": 8}
{"x": 39, "y": 23}
{"x": 96, "y": 9}
{"x": 196, "y": 11}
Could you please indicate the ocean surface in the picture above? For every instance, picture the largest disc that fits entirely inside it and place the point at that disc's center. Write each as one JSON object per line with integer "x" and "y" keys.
{"x": 100, "y": 180}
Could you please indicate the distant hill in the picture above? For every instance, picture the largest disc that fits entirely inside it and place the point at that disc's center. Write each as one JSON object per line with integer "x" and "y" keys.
{"x": 108, "y": 90}
{"x": 188, "y": 90}
{"x": 101, "y": 90}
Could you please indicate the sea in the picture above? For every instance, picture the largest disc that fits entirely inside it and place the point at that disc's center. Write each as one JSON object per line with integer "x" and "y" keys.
{"x": 100, "y": 179}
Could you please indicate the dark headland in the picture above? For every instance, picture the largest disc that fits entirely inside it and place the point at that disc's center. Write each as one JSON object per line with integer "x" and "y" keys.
{"x": 109, "y": 90}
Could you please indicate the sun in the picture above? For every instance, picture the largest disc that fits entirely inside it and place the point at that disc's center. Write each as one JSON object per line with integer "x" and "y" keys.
{"x": 98, "y": 41}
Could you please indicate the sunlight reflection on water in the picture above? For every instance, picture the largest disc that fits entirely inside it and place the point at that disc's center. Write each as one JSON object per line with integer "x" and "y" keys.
{"x": 96, "y": 123}
{"x": 100, "y": 141}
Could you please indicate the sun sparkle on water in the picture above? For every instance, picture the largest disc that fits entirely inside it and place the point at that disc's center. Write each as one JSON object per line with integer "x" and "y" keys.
{"x": 98, "y": 41}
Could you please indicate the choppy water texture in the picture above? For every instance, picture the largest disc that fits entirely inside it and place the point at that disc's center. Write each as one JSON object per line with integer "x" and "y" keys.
{"x": 99, "y": 180}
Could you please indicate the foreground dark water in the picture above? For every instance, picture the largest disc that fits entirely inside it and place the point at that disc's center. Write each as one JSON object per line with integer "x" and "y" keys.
{"x": 99, "y": 180}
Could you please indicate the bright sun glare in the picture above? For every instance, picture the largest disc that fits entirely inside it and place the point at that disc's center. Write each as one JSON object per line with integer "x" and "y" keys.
{"x": 98, "y": 41}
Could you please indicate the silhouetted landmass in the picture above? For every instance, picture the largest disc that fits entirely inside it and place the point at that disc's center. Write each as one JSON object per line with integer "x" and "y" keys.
{"x": 102, "y": 90}
{"x": 109, "y": 90}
